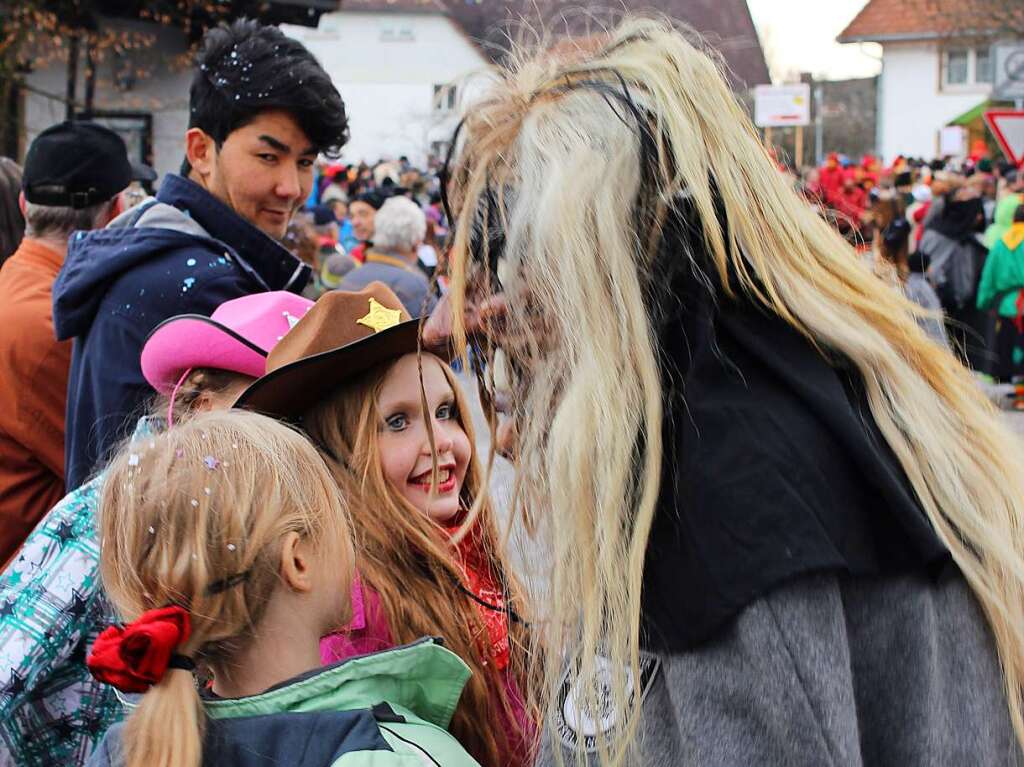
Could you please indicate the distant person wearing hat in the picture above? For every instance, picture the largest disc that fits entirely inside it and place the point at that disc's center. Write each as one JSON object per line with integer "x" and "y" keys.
{"x": 261, "y": 110}
{"x": 74, "y": 173}
{"x": 399, "y": 229}
{"x": 362, "y": 212}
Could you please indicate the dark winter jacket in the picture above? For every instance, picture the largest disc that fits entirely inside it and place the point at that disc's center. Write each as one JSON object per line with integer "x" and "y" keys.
{"x": 183, "y": 253}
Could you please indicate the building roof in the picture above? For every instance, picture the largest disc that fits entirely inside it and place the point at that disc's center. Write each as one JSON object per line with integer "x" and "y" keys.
{"x": 892, "y": 20}
{"x": 725, "y": 24}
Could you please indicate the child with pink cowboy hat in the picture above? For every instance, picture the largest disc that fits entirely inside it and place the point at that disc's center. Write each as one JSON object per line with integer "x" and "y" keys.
{"x": 238, "y": 336}
{"x": 45, "y": 624}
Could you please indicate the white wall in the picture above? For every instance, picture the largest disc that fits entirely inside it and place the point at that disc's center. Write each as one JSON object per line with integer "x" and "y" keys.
{"x": 385, "y": 66}
{"x": 163, "y": 94}
{"x": 912, "y": 106}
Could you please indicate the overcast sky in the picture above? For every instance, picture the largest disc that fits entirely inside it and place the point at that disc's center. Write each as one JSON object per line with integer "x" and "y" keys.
{"x": 799, "y": 36}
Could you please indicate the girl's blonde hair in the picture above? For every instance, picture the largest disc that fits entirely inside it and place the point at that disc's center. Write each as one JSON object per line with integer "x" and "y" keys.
{"x": 207, "y": 504}
{"x": 555, "y": 161}
{"x": 411, "y": 565}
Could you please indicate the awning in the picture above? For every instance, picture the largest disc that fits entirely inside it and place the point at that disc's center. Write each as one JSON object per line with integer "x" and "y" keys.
{"x": 976, "y": 114}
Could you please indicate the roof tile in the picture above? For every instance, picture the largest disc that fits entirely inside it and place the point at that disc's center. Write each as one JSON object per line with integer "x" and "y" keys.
{"x": 887, "y": 19}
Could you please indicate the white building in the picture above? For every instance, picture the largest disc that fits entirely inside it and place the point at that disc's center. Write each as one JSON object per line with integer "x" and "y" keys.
{"x": 402, "y": 68}
{"x": 931, "y": 74}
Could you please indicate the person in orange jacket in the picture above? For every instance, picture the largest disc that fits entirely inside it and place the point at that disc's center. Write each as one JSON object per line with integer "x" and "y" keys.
{"x": 74, "y": 174}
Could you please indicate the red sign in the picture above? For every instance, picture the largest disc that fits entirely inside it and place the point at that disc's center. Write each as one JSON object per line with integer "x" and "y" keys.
{"x": 1007, "y": 125}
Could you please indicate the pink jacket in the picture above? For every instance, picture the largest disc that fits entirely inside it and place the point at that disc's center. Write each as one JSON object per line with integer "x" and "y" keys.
{"x": 368, "y": 633}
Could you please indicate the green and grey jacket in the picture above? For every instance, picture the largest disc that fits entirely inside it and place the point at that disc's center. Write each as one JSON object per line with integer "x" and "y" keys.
{"x": 388, "y": 709}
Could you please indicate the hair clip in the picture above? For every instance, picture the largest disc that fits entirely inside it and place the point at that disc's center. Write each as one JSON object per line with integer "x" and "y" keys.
{"x": 211, "y": 462}
{"x": 194, "y": 502}
{"x": 133, "y": 459}
{"x": 224, "y": 584}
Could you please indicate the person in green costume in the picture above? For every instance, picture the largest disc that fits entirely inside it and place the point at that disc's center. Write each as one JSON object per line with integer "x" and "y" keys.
{"x": 1002, "y": 288}
{"x": 1003, "y": 218}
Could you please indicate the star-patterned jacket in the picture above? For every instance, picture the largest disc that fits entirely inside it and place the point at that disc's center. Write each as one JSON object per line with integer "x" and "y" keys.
{"x": 52, "y": 608}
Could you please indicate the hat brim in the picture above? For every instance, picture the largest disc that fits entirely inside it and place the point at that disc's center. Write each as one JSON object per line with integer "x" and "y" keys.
{"x": 190, "y": 341}
{"x": 142, "y": 172}
{"x": 292, "y": 389}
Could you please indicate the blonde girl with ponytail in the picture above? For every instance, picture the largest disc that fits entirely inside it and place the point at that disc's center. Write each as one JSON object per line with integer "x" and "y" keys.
{"x": 226, "y": 548}
{"x": 784, "y": 526}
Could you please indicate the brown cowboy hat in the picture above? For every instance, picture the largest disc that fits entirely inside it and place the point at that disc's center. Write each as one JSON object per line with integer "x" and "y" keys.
{"x": 342, "y": 335}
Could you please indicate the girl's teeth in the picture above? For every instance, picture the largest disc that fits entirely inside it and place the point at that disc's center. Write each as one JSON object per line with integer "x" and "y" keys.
{"x": 442, "y": 477}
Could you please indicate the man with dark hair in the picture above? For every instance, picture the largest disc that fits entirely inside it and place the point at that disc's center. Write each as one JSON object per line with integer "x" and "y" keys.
{"x": 74, "y": 173}
{"x": 261, "y": 110}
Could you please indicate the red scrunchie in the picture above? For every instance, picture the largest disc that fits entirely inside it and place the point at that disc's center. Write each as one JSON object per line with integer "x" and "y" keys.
{"x": 133, "y": 658}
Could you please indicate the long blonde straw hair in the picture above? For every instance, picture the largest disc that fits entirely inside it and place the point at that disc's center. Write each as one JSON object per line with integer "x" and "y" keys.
{"x": 412, "y": 567}
{"x": 170, "y": 526}
{"x": 554, "y": 161}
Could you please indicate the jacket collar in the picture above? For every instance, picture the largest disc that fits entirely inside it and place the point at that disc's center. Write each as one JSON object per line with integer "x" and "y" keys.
{"x": 275, "y": 265}
{"x": 423, "y": 678}
{"x": 39, "y": 254}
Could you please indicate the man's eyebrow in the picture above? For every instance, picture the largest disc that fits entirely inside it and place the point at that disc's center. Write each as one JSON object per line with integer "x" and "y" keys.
{"x": 275, "y": 144}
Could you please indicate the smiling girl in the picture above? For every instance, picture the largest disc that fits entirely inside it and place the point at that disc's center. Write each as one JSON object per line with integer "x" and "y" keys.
{"x": 395, "y": 430}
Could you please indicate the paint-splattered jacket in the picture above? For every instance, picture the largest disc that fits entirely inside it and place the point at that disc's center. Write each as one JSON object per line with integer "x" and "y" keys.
{"x": 183, "y": 253}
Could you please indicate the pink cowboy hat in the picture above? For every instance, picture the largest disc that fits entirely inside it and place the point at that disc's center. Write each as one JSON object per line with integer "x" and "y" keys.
{"x": 238, "y": 336}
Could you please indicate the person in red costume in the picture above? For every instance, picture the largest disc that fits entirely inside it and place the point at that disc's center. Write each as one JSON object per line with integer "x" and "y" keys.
{"x": 831, "y": 177}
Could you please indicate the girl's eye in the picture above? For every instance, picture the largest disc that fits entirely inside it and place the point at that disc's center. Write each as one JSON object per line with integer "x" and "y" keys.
{"x": 396, "y": 422}
{"x": 446, "y": 411}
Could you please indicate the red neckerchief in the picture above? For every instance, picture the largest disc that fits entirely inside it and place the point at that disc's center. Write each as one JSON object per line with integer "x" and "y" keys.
{"x": 480, "y": 581}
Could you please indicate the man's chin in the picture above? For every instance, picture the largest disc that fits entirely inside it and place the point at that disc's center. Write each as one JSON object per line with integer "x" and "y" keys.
{"x": 274, "y": 230}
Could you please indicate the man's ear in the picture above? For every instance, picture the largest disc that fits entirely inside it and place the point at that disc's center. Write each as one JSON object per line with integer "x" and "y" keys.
{"x": 200, "y": 151}
{"x": 297, "y": 563}
{"x": 22, "y": 204}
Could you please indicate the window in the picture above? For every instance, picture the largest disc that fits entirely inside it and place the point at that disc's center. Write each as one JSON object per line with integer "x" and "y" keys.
{"x": 439, "y": 149}
{"x": 967, "y": 67}
{"x": 956, "y": 67}
{"x": 444, "y": 98}
{"x": 983, "y": 65}
{"x": 397, "y": 32}
{"x": 136, "y": 128}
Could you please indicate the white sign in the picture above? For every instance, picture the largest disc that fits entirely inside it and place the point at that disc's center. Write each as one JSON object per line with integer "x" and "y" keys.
{"x": 1008, "y": 82}
{"x": 1007, "y": 126}
{"x": 953, "y": 141}
{"x": 780, "y": 105}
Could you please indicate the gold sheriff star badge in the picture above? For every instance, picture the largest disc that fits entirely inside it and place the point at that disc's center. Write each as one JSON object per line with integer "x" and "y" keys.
{"x": 380, "y": 317}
